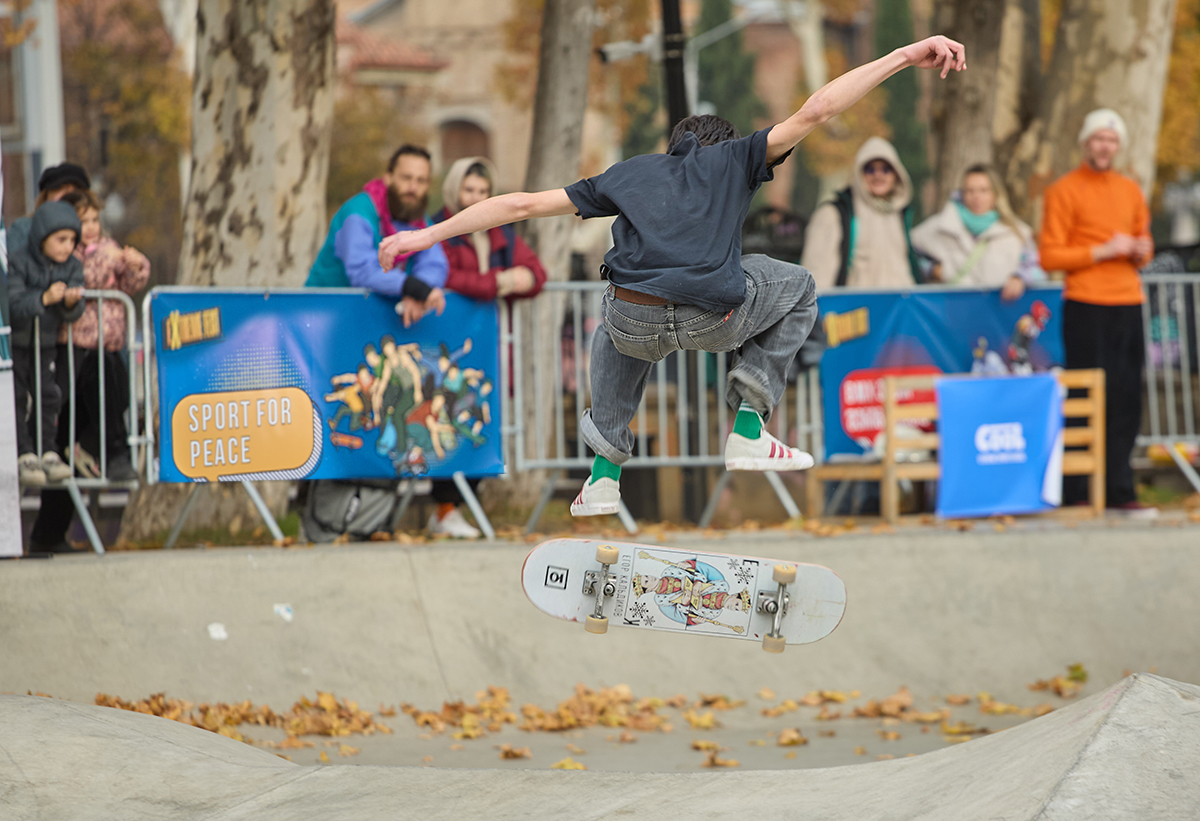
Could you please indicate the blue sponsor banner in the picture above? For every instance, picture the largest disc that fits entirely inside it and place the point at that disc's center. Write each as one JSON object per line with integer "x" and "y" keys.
{"x": 871, "y": 335}
{"x": 323, "y": 384}
{"x": 1001, "y": 445}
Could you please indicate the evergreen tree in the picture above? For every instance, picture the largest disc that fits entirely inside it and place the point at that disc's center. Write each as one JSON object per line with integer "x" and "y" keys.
{"x": 893, "y": 29}
{"x": 726, "y": 72}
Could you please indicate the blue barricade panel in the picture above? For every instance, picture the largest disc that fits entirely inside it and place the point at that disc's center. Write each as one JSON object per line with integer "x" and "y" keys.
{"x": 323, "y": 385}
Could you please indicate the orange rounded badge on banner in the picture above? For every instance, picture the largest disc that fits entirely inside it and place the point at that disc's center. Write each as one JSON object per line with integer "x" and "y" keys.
{"x": 237, "y": 433}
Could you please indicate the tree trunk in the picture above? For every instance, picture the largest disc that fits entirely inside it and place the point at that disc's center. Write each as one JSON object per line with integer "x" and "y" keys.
{"x": 262, "y": 110}
{"x": 1018, "y": 81}
{"x": 964, "y": 104}
{"x": 554, "y": 155}
{"x": 1107, "y": 54}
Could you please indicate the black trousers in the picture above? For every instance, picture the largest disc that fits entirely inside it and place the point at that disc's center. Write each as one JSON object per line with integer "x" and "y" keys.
{"x": 57, "y": 509}
{"x": 1109, "y": 337}
{"x": 445, "y": 492}
{"x": 24, "y": 387}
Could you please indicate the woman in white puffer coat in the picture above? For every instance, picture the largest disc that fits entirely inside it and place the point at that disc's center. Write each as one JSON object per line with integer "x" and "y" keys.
{"x": 976, "y": 240}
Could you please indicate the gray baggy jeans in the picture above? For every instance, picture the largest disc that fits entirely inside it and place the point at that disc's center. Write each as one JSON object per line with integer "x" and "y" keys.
{"x": 763, "y": 333}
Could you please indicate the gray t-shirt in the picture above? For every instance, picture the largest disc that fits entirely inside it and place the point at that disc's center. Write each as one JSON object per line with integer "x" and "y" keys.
{"x": 678, "y": 233}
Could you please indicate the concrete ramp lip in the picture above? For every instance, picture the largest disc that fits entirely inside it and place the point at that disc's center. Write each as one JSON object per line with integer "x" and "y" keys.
{"x": 1131, "y": 751}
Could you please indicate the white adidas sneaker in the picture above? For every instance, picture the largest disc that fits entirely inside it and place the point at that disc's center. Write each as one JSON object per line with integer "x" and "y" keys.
{"x": 599, "y": 498}
{"x": 764, "y": 453}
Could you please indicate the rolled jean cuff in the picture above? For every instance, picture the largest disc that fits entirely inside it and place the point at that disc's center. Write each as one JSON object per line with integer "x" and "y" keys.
{"x": 597, "y": 442}
{"x": 749, "y": 384}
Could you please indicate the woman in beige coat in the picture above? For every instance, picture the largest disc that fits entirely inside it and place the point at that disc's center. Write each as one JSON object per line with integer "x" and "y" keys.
{"x": 975, "y": 240}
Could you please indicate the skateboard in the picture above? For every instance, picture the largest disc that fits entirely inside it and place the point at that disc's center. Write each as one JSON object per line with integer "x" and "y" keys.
{"x": 684, "y": 591}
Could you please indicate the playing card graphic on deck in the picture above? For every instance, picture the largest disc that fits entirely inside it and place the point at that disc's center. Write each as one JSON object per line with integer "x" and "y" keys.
{"x": 697, "y": 593}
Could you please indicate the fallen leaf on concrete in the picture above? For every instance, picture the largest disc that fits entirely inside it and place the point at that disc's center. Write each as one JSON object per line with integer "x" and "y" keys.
{"x": 387, "y": 712}
{"x": 703, "y": 745}
{"x": 884, "y": 757}
{"x": 888, "y": 735}
{"x": 828, "y": 715}
{"x": 345, "y": 750}
{"x": 791, "y": 737}
{"x": 627, "y": 737}
{"x": 427, "y": 759}
{"x": 785, "y": 706}
{"x": 458, "y": 747}
{"x": 575, "y": 750}
{"x": 568, "y": 763}
{"x": 509, "y": 752}
{"x": 701, "y": 721}
{"x": 766, "y": 694}
{"x": 826, "y": 733}
{"x": 713, "y": 759}
{"x": 324, "y": 757}
{"x": 958, "y": 700}
{"x": 1043, "y": 709}
{"x": 962, "y": 728}
{"x": 791, "y": 754}
{"x": 717, "y": 702}
{"x": 860, "y": 750}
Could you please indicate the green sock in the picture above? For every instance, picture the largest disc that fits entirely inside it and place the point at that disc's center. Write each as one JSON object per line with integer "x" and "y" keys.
{"x": 747, "y": 423}
{"x": 604, "y": 469}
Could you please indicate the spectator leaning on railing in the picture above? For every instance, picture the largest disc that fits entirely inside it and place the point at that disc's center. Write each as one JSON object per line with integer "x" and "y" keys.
{"x": 976, "y": 240}
{"x": 860, "y": 239}
{"x": 45, "y": 282}
{"x": 106, "y": 267}
{"x": 483, "y": 265}
{"x": 1096, "y": 228}
{"x": 55, "y": 183}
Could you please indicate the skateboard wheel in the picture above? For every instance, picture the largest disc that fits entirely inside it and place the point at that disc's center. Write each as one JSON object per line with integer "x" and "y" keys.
{"x": 784, "y": 573}
{"x": 597, "y": 625}
{"x": 606, "y": 554}
{"x": 774, "y": 644}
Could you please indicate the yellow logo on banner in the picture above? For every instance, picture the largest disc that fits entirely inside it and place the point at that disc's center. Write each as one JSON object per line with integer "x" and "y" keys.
{"x": 841, "y": 328}
{"x": 187, "y": 329}
{"x": 239, "y": 432}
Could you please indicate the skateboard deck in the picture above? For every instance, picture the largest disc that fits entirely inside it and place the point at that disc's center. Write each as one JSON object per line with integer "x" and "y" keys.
{"x": 683, "y": 591}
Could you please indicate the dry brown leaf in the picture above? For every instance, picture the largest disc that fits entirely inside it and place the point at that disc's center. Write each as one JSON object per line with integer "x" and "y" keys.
{"x": 509, "y": 752}
{"x": 627, "y": 737}
{"x": 1043, "y": 709}
{"x": 958, "y": 700}
{"x": 791, "y": 737}
{"x": 701, "y": 721}
{"x": 860, "y": 750}
{"x": 713, "y": 759}
{"x": 828, "y": 715}
{"x": 826, "y": 733}
{"x": 888, "y": 735}
{"x": 574, "y": 749}
{"x": 717, "y": 702}
{"x": 785, "y": 706}
{"x": 324, "y": 757}
{"x": 766, "y": 694}
{"x": 427, "y": 759}
{"x": 884, "y": 757}
{"x": 458, "y": 747}
{"x": 387, "y": 712}
{"x": 345, "y": 750}
{"x": 703, "y": 746}
{"x": 568, "y": 763}
{"x": 790, "y": 754}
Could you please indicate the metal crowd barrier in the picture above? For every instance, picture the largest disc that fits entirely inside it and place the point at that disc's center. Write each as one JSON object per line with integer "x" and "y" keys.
{"x": 1169, "y": 315}
{"x": 546, "y": 437}
{"x": 76, "y": 485}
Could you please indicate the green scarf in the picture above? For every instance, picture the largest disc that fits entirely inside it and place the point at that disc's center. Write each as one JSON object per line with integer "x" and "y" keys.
{"x": 976, "y": 223}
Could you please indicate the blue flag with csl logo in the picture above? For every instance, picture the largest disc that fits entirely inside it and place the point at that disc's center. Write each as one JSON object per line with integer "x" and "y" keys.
{"x": 1001, "y": 445}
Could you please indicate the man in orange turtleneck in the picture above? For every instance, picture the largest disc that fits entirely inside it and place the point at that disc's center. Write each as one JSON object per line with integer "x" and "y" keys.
{"x": 1096, "y": 228}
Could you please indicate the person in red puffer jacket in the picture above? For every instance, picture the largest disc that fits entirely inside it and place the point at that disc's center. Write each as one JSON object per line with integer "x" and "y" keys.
{"x": 486, "y": 265}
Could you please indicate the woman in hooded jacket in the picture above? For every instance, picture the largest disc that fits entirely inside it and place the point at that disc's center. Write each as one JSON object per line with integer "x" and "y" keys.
{"x": 976, "y": 240}
{"x": 485, "y": 266}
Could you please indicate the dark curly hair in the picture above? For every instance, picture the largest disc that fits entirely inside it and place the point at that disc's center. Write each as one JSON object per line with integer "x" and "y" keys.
{"x": 708, "y": 128}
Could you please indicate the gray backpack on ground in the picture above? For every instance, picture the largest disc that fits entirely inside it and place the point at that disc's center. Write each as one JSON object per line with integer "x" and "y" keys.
{"x": 356, "y": 509}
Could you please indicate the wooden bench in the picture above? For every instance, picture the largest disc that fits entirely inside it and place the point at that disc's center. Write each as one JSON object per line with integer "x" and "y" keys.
{"x": 1088, "y": 461}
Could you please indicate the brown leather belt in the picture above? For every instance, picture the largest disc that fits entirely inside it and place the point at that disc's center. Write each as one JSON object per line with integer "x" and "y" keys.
{"x": 637, "y": 297}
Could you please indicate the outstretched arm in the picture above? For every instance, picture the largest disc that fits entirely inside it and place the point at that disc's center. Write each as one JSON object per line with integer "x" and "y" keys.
{"x": 490, "y": 213}
{"x": 839, "y": 94}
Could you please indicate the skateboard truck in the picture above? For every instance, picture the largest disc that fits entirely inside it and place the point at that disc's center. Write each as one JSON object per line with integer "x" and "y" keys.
{"x": 776, "y": 605}
{"x": 600, "y": 583}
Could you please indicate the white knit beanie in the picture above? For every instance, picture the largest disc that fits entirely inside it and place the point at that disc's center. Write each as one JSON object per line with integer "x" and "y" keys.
{"x": 1100, "y": 119}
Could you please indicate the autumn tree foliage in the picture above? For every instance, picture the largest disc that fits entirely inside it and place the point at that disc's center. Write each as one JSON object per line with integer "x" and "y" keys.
{"x": 127, "y": 105}
{"x": 1179, "y": 140}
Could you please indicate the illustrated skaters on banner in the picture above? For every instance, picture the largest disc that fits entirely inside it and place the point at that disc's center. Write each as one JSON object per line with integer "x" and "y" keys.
{"x": 397, "y": 391}
{"x": 692, "y": 593}
{"x": 1028, "y": 328}
{"x": 356, "y": 388}
{"x": 677, "y": 279}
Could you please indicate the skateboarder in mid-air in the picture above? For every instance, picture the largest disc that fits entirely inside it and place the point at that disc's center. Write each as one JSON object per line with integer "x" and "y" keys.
{"x": 677, "y": 279}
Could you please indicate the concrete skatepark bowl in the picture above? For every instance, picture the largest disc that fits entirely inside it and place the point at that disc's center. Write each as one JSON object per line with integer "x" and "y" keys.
{"x": 940, "y": 612}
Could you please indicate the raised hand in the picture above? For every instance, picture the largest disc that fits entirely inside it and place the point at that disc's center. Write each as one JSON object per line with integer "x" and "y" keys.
{"x": 937, "y": 52}
{"x": 402, "y": 242}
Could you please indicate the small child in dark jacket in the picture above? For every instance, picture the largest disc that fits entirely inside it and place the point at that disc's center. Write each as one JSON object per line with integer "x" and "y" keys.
{"x": 45, "y": 282}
